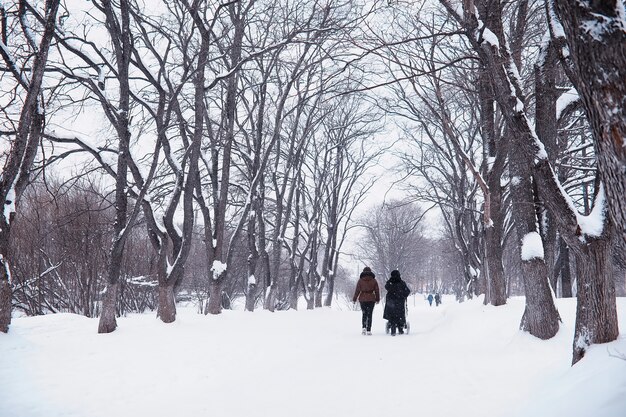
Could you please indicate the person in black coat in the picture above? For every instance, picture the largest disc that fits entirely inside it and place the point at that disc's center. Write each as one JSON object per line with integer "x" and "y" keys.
{"x": 397, "y": 292}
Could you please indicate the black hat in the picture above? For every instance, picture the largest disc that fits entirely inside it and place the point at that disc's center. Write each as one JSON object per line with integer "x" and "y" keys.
{"x": 395, "y": 273}
{"x": 367, "y": 269}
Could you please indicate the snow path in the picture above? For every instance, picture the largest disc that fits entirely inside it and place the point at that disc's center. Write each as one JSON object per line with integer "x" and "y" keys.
{"x": 460, "y": 359}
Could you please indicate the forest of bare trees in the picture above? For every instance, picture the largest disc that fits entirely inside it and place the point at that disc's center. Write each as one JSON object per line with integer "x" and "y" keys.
{"x": 212, "y": 151}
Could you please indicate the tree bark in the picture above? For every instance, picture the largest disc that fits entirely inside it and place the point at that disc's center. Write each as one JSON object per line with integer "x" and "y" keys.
{"x": 107, "y": 322}
{"x": 215, "y": 296}
{"x": 596, "y": 312}
{"x": 166, "y": 309}
{"x": 540, "y": 318}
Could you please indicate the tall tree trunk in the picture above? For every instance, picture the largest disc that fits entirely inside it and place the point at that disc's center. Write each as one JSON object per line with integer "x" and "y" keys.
{"x": 493, "y": 241}
{"x": 236, "y": 13}
{"x": 495, "y": 149}
{"x": 596, "y": 312}
{"x": 119, "y": 33}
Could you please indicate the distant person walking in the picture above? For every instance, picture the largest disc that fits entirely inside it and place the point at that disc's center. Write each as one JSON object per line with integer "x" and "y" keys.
{"x": 397, "y": 292}
{"x": 437, "y": 299}
{"x": 430, "y": 299}
{"x": 368, "y": 294}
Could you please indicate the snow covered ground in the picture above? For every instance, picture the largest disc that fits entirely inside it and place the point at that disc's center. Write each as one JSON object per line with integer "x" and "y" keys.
{"x": 459, "y": 360}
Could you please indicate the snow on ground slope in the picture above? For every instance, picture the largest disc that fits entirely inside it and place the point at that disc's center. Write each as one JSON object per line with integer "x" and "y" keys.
{"x": 459, "y": 360}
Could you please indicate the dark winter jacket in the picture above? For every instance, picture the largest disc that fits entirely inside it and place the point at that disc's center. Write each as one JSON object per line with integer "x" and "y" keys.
{"x": 397, "y": 292}
{"x": 367, "y": 287}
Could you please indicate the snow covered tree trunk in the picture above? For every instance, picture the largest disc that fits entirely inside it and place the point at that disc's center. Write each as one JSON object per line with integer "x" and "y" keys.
{"x": 540, "y": 318}
{"x": 19, "y": 159}
{"x": 596, "y": 312}
{"x": 596, "y": 37}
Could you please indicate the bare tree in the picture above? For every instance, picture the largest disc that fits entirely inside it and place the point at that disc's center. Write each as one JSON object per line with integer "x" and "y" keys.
{"x": 348, "y": 129}
{"x": 119, "y": 32}
{"x": 23, "y": 149}
{"x": 394, "y": 238}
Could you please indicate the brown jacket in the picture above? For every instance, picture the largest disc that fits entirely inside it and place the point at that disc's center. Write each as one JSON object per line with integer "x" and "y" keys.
{"x": 367, "y": 288}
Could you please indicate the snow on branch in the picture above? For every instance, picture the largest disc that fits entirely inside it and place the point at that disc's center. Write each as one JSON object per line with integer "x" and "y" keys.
{"x": 565, "y": 100}
{"x": 489, "y": 37}
{"x": 83, "y": 143}
{"x": 593, "y": 224}
{"x": 10, "y": 62}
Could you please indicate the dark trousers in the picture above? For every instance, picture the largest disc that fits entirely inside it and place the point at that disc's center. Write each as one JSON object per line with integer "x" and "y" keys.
{"x": 367, "y": 307}
{"x": 397, "y": 323}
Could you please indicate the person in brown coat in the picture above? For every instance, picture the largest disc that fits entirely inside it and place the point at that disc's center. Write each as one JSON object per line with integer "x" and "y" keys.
{"x": 368, "y": 294}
